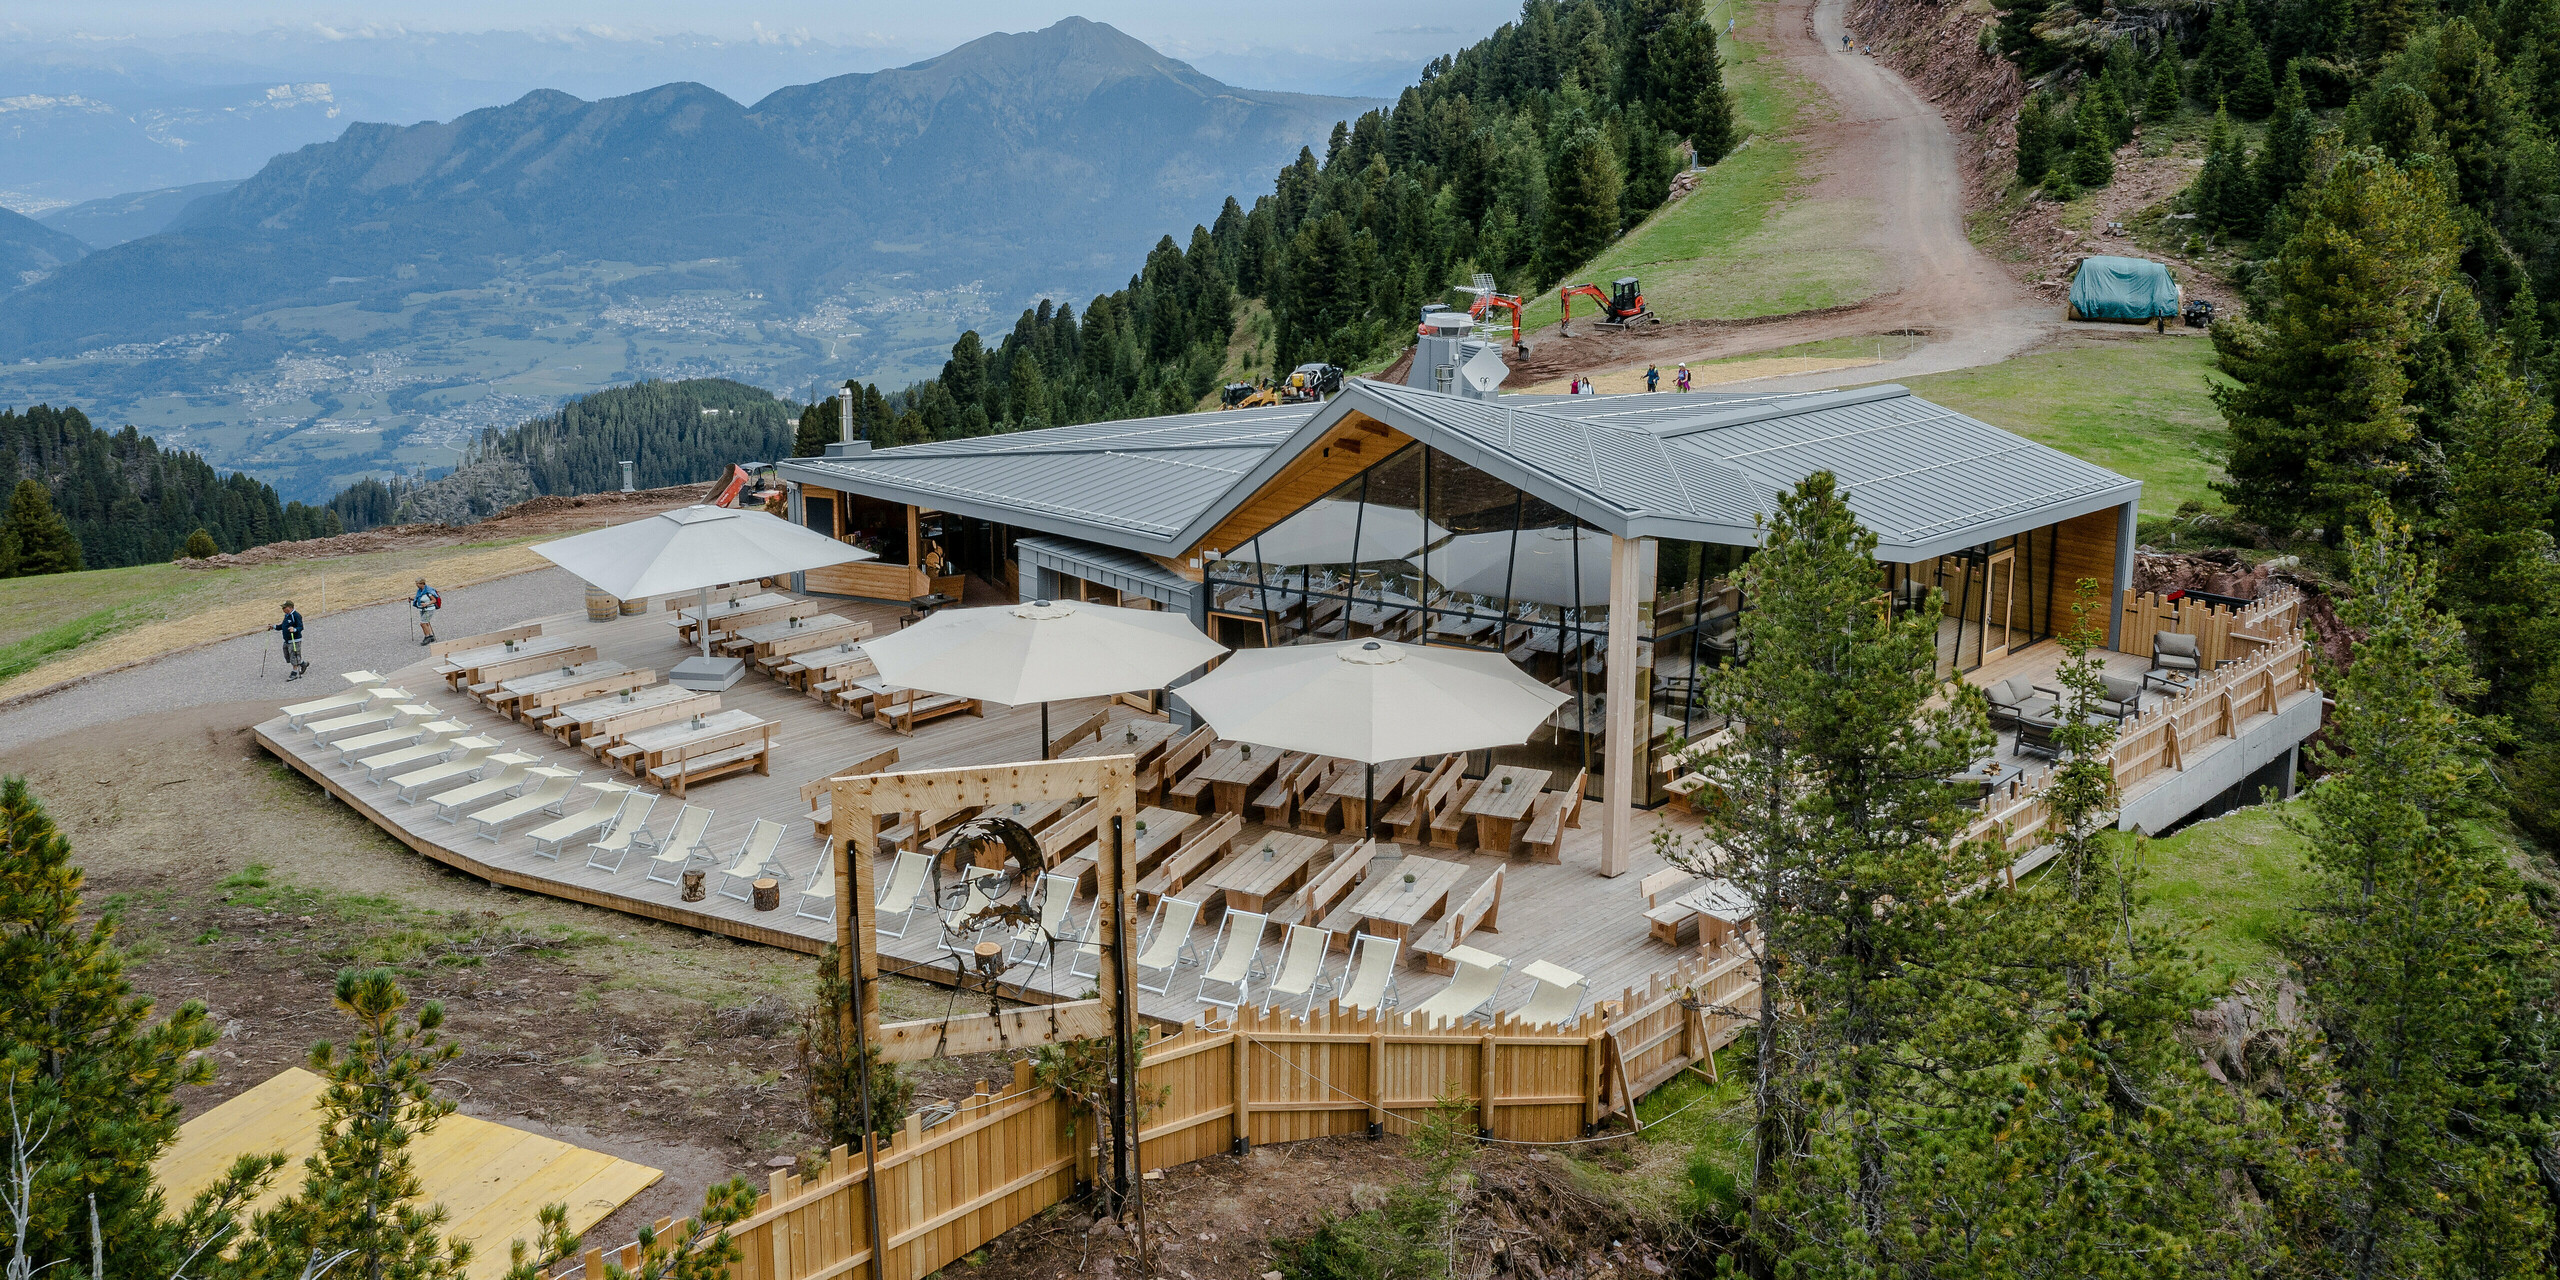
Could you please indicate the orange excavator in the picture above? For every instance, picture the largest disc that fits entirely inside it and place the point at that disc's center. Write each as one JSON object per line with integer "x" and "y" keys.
{"x": 1620, "y": 308}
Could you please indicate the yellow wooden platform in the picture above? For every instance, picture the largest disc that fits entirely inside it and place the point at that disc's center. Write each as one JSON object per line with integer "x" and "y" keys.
{"x": 490, "y": 1178}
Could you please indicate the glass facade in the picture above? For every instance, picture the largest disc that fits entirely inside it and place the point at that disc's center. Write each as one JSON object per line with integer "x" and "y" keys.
{"x": 1998, "y": 597}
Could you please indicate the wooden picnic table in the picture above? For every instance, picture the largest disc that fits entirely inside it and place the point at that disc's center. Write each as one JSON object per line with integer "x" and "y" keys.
{"x": 1141, "y": 738}
{"x": 1498, "y": 811}
{"x": 687, "y": 619}
{"x": 1164, "y": 827}
{"x": 1463, "y": 626}
{"x": 1349, "y": 789}
{"x": 467, "y": 663}
{"x": 1234, "y": 770}
{"x": 658, "y": 743}
{"x": 1266, "y": 868}
{"x": 766, "y": 633}
{"x": 583, "y": 717}
{"x": 1391, "y": 908}
{"x": 526, "y": 686}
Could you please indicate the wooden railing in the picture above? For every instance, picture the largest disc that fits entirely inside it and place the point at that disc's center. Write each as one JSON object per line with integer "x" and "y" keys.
{"x": 1007, "y": 1154}
{"x": 2165, "y": 738}
{"x": 2224, "y": 634}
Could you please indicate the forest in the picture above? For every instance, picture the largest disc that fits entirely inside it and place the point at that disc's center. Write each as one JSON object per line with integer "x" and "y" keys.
{"x": 128, "y": 501}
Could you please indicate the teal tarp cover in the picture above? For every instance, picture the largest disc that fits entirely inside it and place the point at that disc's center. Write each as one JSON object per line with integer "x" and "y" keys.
{"x": 2123, "y": 289}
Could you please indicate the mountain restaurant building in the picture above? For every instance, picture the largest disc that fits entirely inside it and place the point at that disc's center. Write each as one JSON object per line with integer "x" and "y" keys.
{"x": 1595, "y": 540}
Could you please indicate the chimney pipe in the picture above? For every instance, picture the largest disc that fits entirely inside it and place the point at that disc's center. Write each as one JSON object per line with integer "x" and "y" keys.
{"x": 844, "y": 414}
{"x": 626, "y": 477}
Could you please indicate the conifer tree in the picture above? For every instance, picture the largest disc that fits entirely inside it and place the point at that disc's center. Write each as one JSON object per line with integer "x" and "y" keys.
{"x": 200, "y": 545}
{"x": 2225, "y": 53}
{"x": 2320, "y": 430}
{"x": 2093, "y": 160}
{"x": 2285, "y": 160}
{"x": 92, "y": 1081}
{"x": 1687, "y": 82}
{"x": 2254, "y": 95}
{"x": 1582, "y": 201}
{"x": 360, "y": 1190}
{"x": 2225, "y": 196}
{"x": 2161, "y": 98}
{"x": 42, "y": 542}
{"x": 2035, "y": 138}
{"x": 2415, "y": 950}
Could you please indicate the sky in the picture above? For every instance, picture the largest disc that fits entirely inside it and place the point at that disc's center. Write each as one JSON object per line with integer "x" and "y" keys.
{"x": 1339, "y": 46}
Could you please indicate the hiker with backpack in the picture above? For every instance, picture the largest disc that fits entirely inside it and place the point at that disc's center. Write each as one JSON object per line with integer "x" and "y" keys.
{"x": 292, "y": 629}
{"x": 426, "y": 602}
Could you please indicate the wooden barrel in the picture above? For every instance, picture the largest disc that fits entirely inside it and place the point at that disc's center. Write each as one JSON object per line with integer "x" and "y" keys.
{"x": 635, "y": 605}
{"x": 602, "y": 607}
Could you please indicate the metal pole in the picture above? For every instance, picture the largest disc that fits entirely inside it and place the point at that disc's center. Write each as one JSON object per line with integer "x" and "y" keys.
{"x": 1044, "y": 731}
{"x": 1369, "y": 802}
{"x": 702, "y": 622}
{"x": 862, "y": 1072}
{"x": 1124, "y": 1030}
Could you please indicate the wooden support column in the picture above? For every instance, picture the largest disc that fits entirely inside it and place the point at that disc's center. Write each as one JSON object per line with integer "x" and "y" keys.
{"x": 1629, "y": 708}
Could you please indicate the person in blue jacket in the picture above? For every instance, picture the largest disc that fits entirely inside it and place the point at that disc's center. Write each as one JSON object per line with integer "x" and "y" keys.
{"x": 426, "y": 602}
{"x": 292, "y": 628}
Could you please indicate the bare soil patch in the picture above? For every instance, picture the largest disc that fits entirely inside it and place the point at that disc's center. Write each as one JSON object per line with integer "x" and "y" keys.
{"x": 530, "y": 518}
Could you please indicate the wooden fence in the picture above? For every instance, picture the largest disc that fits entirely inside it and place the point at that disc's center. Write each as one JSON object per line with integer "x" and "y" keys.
{"x": 2224, "y": 634}
{"x": 1008, "y": 1153}
{"x": 2166, "y": 737}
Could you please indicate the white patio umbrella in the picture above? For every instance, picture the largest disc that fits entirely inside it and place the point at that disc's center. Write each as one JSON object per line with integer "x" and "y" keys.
{"x": 696, "y": 548}
{"x": 1549, "y": 567}
{"x": 1323, "y": 533}
{"x": 1372, "y": 700}
{"x": 1044, "y": 651}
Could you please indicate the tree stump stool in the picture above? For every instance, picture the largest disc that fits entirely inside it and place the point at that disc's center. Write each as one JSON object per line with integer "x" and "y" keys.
{"x": 768, "y": 894}
{"x": 692, "y": 886}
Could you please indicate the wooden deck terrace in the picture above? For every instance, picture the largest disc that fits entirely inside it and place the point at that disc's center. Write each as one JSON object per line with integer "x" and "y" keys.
{"x": 1561, "y": 912}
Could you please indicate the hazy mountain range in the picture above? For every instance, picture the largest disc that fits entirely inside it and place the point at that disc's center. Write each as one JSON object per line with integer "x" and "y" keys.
{"x": 368, "y": 301}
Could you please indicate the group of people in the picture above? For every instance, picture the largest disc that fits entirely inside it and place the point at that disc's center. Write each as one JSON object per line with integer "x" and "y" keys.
{"x": 1586, "y": 386}
{"x": 425, "y": 600}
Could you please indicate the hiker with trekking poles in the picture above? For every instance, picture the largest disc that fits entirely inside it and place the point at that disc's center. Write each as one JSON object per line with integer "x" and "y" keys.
{"x": 291, "y": 626}
{"x": 426, "y": 602}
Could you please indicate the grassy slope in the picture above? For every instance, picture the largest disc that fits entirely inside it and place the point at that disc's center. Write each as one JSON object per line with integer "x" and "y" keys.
{"x": 1740, "y": 245}
{"x": 2233, "y": 881}
{"x": 2137, "y": 406}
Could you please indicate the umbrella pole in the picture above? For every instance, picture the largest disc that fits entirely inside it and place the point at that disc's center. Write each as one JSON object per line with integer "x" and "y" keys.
{"x": 1369, "y": 803}
{"x": 702, "y": 621}
{"x": 1044, "y": 731}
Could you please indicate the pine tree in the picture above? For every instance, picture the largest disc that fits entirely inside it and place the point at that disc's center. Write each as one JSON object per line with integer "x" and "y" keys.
{"x": 92, "y": 1082}
{"x": 2035, "y": 138}
{"x": 42, "y": 541}
{"x": 2225, "y": 53}
{"x": 1582, "y": 201}
{"x": 2114, "y": 121}
{"x": 1686, "y": 79}
{"x": 2161, "y": 99}
{"x": 2093, "y": 160}
{"x": 830, "y": 1073}
{"x": 2253, "y": 95}
{"x": 2415, "y": 949}
{"x": 2285, "y": 160}
{"x": 360, "y": 1189}
{"x": 2225, "y": 196}
{"x": 2320, "y": 431}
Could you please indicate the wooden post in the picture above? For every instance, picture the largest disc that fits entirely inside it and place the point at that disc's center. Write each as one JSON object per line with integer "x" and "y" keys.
{"x": 1627, "y": 709}
{"x": 1484, "y": 1083}
{"x": 1241, "y": 1045}
{"x": 1377, "y": 1076}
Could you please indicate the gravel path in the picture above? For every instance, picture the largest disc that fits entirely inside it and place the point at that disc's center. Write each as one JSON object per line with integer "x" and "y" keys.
{"x": 381, "y": 637}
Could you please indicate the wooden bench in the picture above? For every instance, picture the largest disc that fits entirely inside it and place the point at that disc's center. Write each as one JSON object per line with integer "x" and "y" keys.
{"x": 1554, "y": 811}
{"x": 494, "y": 674}
{"x": 1328, "y": 897}
{"x": 1279, "y": 801}
{"x": 819, "y": 797}
{"x": 609, "y": 733}
{"x": 1176, "y": 758}
{"x": 914, "y": 829}
{"x": 1191, "y": 792}
{"x": 1319, "y": 810}
{"x": 905, "y": 710}
{"x": 525, "y": 631}
{"x": 717, "y": 755}
{"x": 1481, "y": 910}
{"x": 815, "y": 642}
{"x": 1449, "y": 826}
{"x": 537, "y": 707}
{"x": 1070, "y": 831}
{"x": 1191, "y": 859}
{"x": 1425, "y": 796}
{"x": 1664, "y": 917}
{"x": 1091, "y": 728}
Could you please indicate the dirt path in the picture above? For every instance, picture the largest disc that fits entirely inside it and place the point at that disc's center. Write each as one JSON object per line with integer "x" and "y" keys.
{"x": 1889, "y": 147}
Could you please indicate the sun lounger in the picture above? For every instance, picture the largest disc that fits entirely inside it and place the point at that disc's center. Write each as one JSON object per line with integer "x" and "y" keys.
{"x": 373, "y": 715}
{"x": 551, "y": 837}
{"x": 1300, "y": 973}
{"x": 1557, "y": 999}
{"x": 1479, "y": 976}
{"x": 1237, "y": 960}
{"x": 408, "y": 721}
{"x": 341, "y": 704}
{"x": 956, "y": 934}
{"x": 625, "y": 831}
{"x": 550, "y": 787}
{"x": 821, "y": 888}
{"x": 1035, "y": 943}
{"x": 1369, "y": 976}
{"x": 671, "y": 857}
{"x": 435, "y": 739}
{"x": 462, "y": 756}
{"x": 510, "y": 769}
{"x": 756, "y": 858}
{"x": 1168, "y": 945}
{"x": 903, "y": 894}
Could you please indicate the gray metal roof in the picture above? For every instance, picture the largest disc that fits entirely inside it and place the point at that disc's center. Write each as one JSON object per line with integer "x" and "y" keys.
{"x": 1703, "y": 467}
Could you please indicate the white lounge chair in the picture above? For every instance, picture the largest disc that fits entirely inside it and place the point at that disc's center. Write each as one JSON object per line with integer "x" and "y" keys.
{"x": 625, "y": 831}
{"x": 1300, "y": 974}
{"x": 755, "y": 859}
{"x": 1369, "y": 976}
{"x": 671, "y": 857}
{"x": 510, "y": 770}
{"x": 433, "y": 743}
{"x": 1479, "y": 976}
{"x": 822, "y": 888}
{"x": 952, "y": 938}
{"x": 611, "y": 799}
{"x": 1168, "y": 946}
{"x": 903, "y": 894}
{"x": 406, "y": 722}
{"x": 1035, "y": 942}
{"x": 462, "y": 755}
{"x": 550, "y": 787}
{"x": 1236, "y": 962}
{"x": 1557, "y": 999}
{"x": 373, "y": 715}
{"x": 343, "y": 704}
